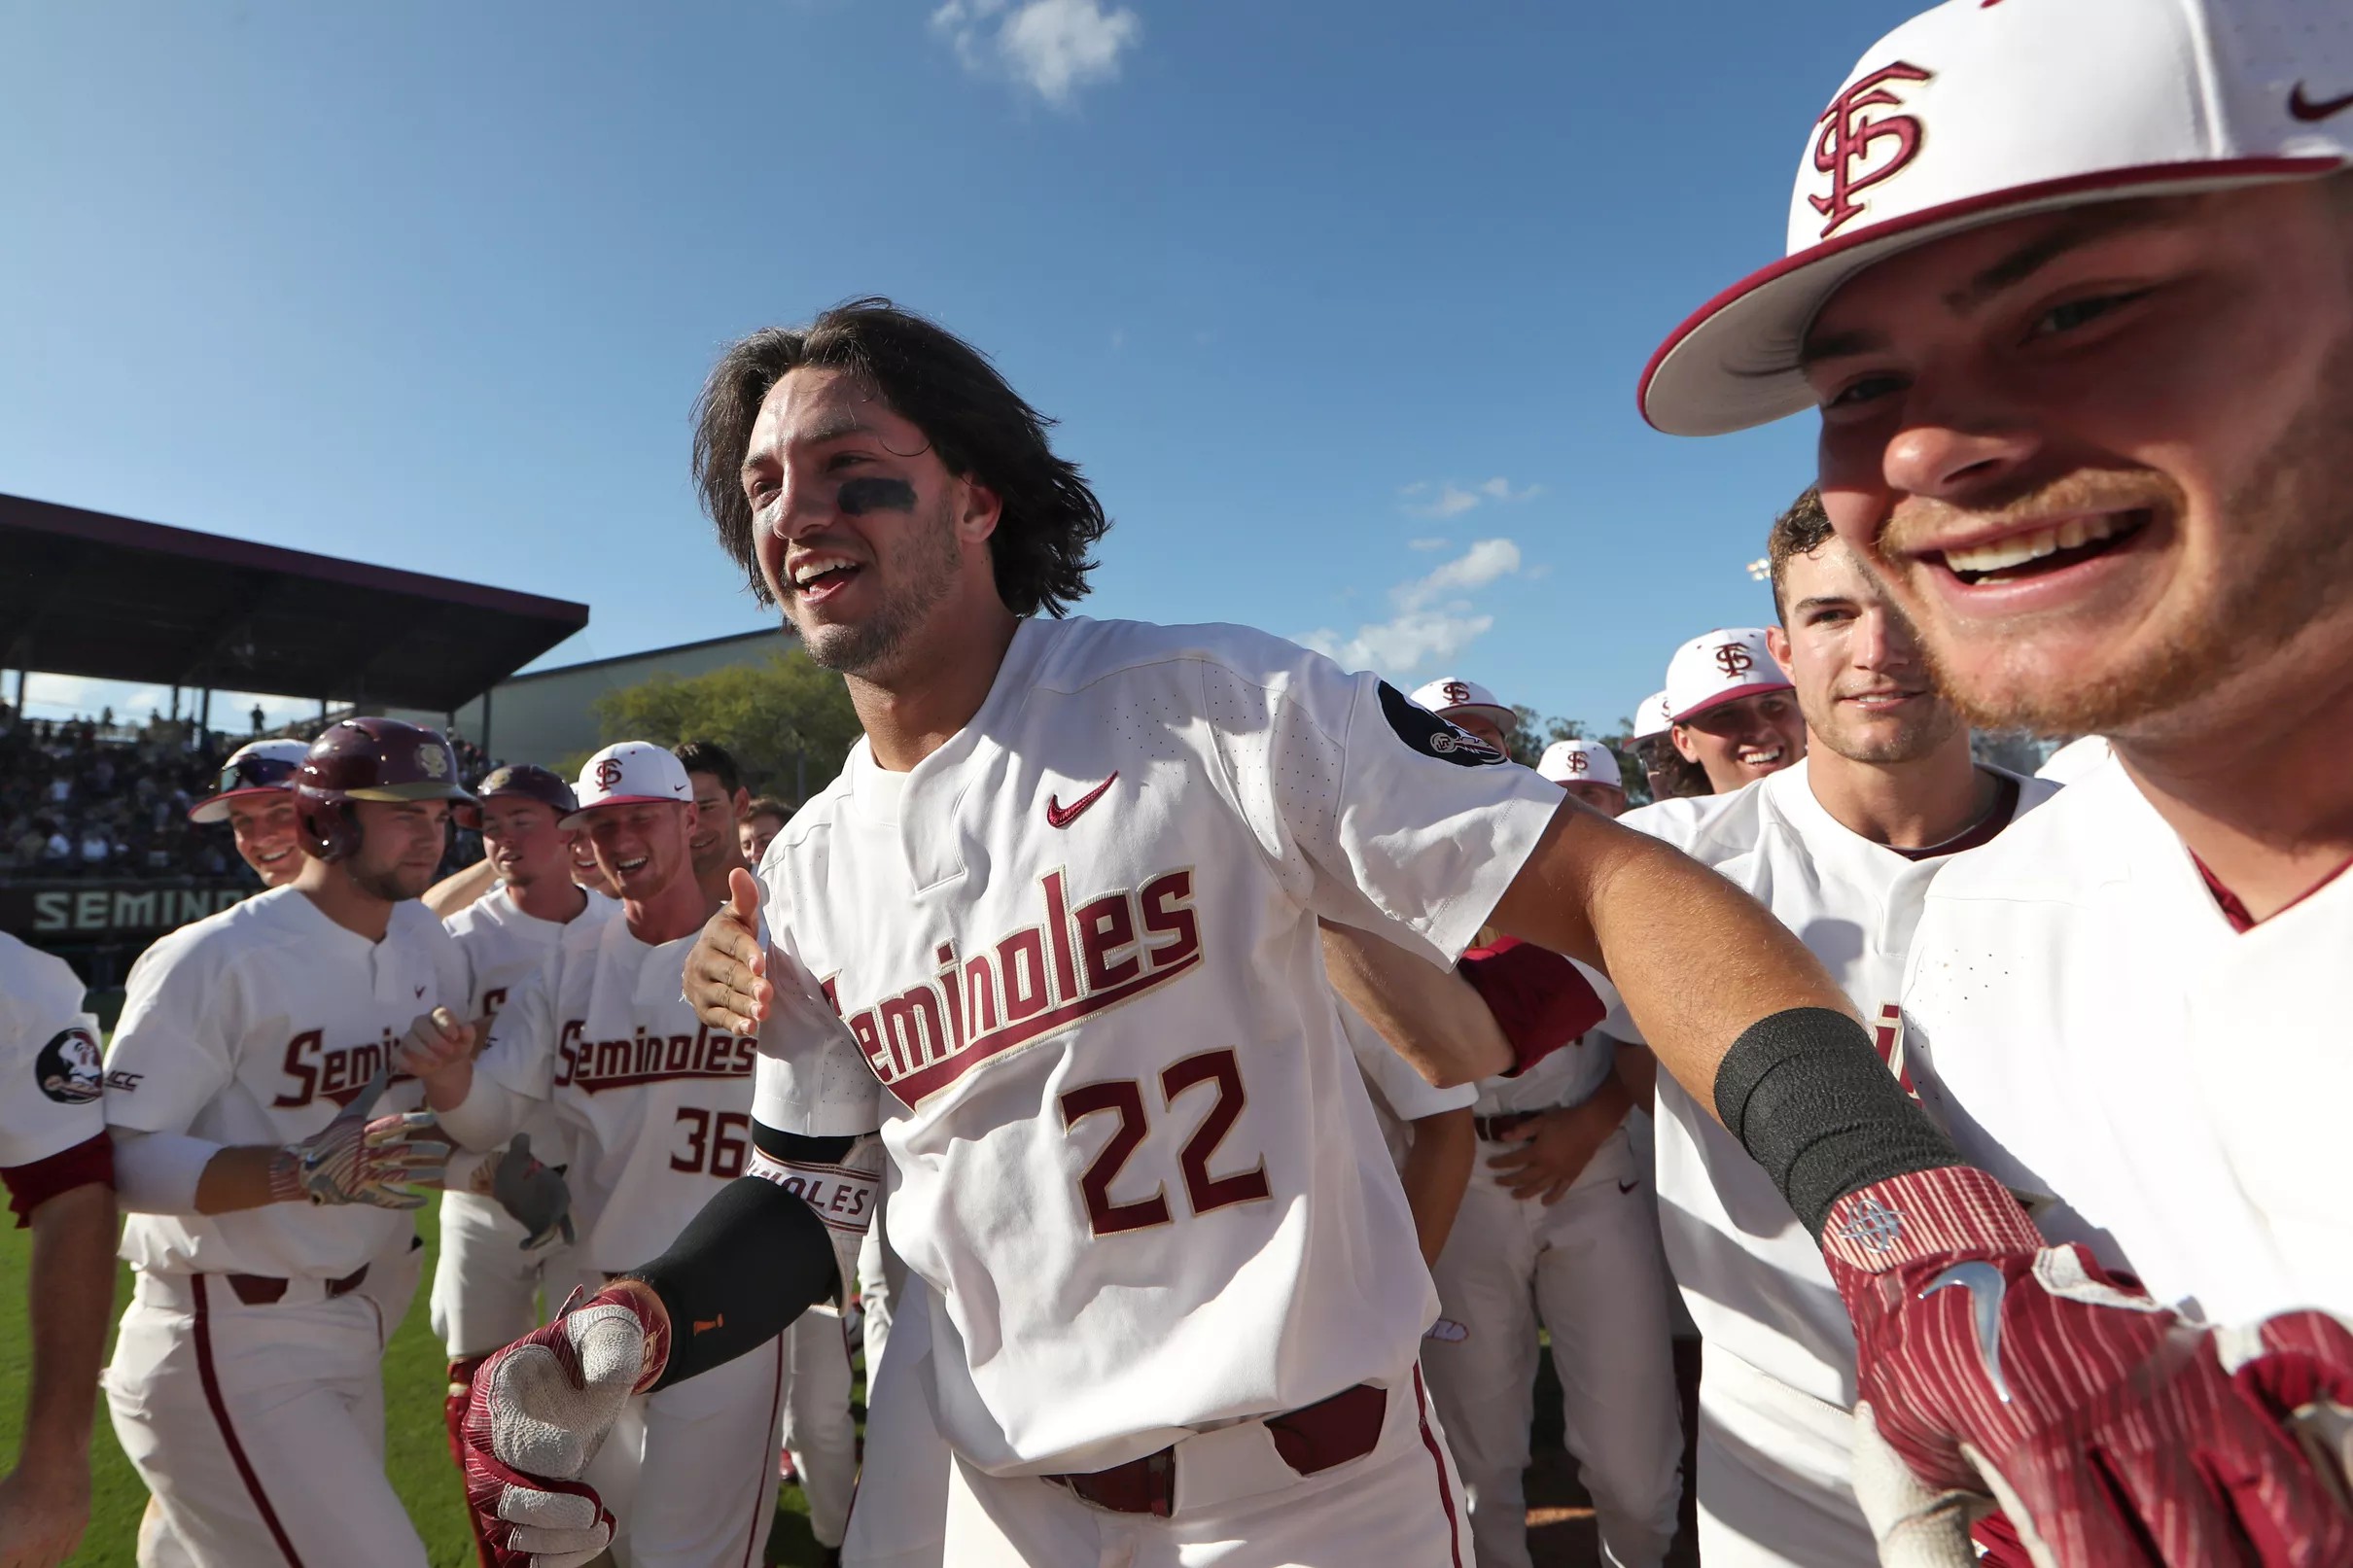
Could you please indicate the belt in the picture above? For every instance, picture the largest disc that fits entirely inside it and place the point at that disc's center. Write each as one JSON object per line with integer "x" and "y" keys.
{"x": 1312, "y": 1438}
{"x": 1493, "y": 1128}
{"x": 261, "y": 1290}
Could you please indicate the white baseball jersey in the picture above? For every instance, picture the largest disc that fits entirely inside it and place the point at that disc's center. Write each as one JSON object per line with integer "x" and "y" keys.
{"x": 655, "y": 1105}
{"x": 257, "y": 1025}
{"x": 1751, "y": 1274}
{"x": 505, "y": 949}
{"x": 2098, "y": 1031}
{"x": 49, "y": 1069}
{"x": 1076, "y": 946}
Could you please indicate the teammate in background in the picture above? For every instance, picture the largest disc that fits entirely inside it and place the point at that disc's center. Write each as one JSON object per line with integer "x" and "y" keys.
{"x": 1842, "y": 845}
{"x": 59, "y": 1166}
{"x": 763, "y": 819}
{"x": 1734, "y": 718}
{"x": 1468, "y": 706}
{"x": 585, "y": 872}
{"x": 1664, "y": 769}
{"x": 655, "y": 1112}
{"x": 1586, "y": 771}
{"x": 1557, "y": 1231}
{"x": 487, "y": 1284}
{"x": 1077, "y": 815}
{"x": 254, "y": 797}
{"x": 253, "y": 1046}
{"x": 2086, "y": 405}
{"x": 720, "y": 801}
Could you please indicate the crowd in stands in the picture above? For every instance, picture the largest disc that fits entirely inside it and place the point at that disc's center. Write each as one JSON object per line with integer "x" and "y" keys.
{"x": 84, "y": 798}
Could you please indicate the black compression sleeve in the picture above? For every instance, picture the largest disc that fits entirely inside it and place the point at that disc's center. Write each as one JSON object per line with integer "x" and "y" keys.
{"x": 754, "y": 1259}
{"x": 1809, "y": 1098}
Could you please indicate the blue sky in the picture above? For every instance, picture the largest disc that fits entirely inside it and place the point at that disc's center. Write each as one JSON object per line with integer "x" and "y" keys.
{"x": 1341, "y": 306}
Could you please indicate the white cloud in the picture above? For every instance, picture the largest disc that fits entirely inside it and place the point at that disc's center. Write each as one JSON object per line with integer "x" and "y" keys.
{"x": 1451, "y": 500}
{"x": 1434, "y": 542}
{"x": 1434, "y": 621}
{"x": 1052, "y": 46}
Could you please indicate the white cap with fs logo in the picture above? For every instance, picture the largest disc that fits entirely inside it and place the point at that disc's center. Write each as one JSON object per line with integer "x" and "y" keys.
{"x": 1580, "y": 762}
{"x": 1449, "y": 695}
{"x": 1652, "y": 717}
{"x": 1718, "y": 667}
{"x": 630, "y": 773}
{"x": 1987, "y": 109}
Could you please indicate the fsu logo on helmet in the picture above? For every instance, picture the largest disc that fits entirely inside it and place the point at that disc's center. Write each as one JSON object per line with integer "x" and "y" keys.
{"x": 1842, "y": 150}
{"x": 1457, "y": 692}
{"x": 432, "y": 761}
{"x": 608, "y": 773}
{"x": 1735, "y": 659}
{"x": 1579, "y": 762}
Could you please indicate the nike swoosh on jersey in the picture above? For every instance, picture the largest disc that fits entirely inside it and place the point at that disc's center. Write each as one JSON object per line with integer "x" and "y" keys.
{"x": 2304, "y": 108}
{"x": 1060, "y": 815}
{"x": 1986, "y": 1287}
{"x": 1628, "y": 1186}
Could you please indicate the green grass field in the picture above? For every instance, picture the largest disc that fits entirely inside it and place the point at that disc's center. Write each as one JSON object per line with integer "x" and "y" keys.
{"x": 416, "y": 1449}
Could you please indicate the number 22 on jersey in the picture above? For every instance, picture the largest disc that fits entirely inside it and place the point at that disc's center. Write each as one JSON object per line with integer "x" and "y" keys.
{"x": 1124, "y": 1097}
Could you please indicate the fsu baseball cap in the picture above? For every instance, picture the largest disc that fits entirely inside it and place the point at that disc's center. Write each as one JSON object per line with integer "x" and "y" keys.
{"x": 1652, "y": 717}
{"x": 1718, "y": 667}
{"x": 1580, "y": 762}
{"x": 1986, "y": 110}
{"x": 256, "y": 768}
{"x": 629, "y": 772}
{"x": 1450, "y": 695}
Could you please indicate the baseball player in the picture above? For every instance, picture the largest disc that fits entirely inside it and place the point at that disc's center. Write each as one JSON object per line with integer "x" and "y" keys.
{"x": 254, "y": 1048}
{"x": 1842, "y": 845}
{"x": 1664, "y": 769}
{"x": 1586, "y": 771}
{"x": 763, "y": 819}
{"x": 1732, "y": 711}
{"x": 2083, "y": 400}
{"x": 254, "y": 797}
{"x": 59, "y": 1166}
{"x": 655, "y": 1110}
{"x": 1468, "y": 706}
{"x": 720, "y": 802}
{"x": 486, "y": 1286}
{"x": 1104, "y": 1065}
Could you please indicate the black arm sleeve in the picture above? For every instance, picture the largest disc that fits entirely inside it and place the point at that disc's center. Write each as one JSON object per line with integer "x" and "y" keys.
{"x": 1810, "y": 1100}
{"x": 754, "y": 1259}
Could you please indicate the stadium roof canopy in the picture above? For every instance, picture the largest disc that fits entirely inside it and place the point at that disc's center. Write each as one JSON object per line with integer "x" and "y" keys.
{"x": 83, "y": 593}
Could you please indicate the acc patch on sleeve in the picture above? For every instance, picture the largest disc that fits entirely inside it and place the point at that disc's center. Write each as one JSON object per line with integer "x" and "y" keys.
{"x": 70, "y": 1068}
{"x": 1432, "y": 736}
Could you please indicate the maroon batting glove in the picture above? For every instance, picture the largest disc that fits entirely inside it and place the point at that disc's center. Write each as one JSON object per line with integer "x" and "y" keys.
{"x": 1995, "y": 1368}
{"x": 537, "y": 1415}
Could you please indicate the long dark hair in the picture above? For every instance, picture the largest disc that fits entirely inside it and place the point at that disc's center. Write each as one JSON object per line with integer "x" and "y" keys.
{"x": 980, "y": 427}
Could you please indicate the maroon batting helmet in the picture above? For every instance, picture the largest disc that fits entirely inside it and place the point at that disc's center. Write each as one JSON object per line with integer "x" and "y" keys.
{"x": 368, "y": 759}
{"x": 520, "y": 780}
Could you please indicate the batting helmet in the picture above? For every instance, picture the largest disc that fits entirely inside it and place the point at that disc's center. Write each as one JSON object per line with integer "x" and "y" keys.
{"x": 256, "y": 768}
{"x": 368, "y": 759}
{"x": 520, "y": 780}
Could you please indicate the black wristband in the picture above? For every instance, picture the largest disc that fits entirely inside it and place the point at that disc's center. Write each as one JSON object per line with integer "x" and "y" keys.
{"x": 754, "y": 1259}
{"x": 1811, "y": 1101}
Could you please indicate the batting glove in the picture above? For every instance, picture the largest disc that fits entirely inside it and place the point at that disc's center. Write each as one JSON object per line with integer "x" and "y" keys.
{"x": 353, "y": 1160}
{"x": 1996, "y": 1369}
{"x": 532, "y": 1194}
{"x": 538, "y": 1412}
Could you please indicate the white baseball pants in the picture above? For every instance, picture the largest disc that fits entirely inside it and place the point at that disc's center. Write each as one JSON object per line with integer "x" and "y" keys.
{"x": 819, "y": 1433}
{"x": 485, "y": 1287}
{"x": 1774, "y": 1490}
{"x": 259, "y": 1430}
{"x": 689, "y": 1471}
{"x": 1591, "y": 1269}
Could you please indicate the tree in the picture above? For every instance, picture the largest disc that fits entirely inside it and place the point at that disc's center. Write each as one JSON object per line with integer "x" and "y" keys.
{"x": 788, "y": 723}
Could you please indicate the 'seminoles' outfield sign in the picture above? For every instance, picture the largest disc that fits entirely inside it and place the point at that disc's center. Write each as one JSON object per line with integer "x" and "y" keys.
{"x": 88, "y": 910}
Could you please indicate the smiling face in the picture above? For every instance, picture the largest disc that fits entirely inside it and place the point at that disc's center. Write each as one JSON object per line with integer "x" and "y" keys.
{"x": 2105, "y": 456}
{"x": 863, "y": 533}
{"x": 1862, "y": 681}
{"x": 1742, "y": 740}
{"x": 401, "y": 844}
{"x": 642, "y": 847}
{"x": 268, "y": 835}
{"x": 716, "y": 814}
{"x": 524, "y": 844}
